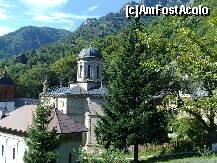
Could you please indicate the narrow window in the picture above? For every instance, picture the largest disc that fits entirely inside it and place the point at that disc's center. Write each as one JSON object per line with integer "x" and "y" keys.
{"x": 97, "y": 72}
{"x": 13, "y": 153}
{"x": 88, "y": 71}
{"x": 6, "y": 93}
{"x": 70, "y": 157}
{"x": 2, "y": 150}
{"x": 80, "y": 71}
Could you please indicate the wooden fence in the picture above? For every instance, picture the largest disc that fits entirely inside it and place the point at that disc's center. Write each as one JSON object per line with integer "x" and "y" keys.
{"x": 182, "y": 145}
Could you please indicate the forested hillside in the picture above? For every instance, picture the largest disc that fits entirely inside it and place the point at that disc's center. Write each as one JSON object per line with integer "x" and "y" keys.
{"x": 28, "y": 38}
{"x": 57, "y": 61}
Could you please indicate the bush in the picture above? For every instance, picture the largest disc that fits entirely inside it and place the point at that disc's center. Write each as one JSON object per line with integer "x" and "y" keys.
{"x": 103, "y": 156}
{"x": 189, "y": 130}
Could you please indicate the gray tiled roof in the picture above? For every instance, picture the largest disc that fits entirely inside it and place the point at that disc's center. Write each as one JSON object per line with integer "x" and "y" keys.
{"x": 90, "y": 52}
{"x": 21, "y": 118}
{"x": 64, "y": 91}
{"x": 64, "y": 124}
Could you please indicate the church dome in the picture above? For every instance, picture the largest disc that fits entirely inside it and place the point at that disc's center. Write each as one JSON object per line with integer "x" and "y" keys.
{"x": 5, "y": 80}
{"x": 90, "y": 53}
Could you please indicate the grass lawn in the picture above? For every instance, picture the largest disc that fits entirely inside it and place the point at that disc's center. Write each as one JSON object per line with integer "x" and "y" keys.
{"x": 174, "y": 158}
{"x": 192, "y": 160}
{"x": 154, "y": 157}
{"x": 180, "y": 159}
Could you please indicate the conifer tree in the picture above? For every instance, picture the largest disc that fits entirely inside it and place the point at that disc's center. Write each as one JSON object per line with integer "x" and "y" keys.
{"x": 131, "y": 115}
{"x": 41, "y": 142}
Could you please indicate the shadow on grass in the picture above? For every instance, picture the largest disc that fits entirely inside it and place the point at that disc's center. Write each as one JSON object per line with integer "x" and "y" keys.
{"x": 168, "y": 157}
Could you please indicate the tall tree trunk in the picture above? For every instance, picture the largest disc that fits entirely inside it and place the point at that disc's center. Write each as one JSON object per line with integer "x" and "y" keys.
{"x": 212, "y": 128}
{"x": 136, "y": 153}
{"x": 212, "y": 136}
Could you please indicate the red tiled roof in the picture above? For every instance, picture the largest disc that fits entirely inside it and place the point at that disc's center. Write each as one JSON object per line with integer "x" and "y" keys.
{"x": 21, "y": 118}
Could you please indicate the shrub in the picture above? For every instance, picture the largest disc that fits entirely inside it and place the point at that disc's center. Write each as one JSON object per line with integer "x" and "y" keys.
{"x": 103, "y": 156}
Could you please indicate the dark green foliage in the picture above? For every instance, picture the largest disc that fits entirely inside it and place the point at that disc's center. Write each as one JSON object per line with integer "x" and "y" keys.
{"x": 132, "y": 116}
{"x": 29, "y": 81}
{"x": 41, "y": 142}
{"x": 65, "y": 69}
{"x": 102, "y": 33}
{"x": 28, "y": 38}
{"x": 189, "y": 129}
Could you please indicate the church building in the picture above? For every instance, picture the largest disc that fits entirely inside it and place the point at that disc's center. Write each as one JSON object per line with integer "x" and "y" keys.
{"x": 13, "y": 130}
{"x": 7, "y": 91}
{"x": 82, "y": 100}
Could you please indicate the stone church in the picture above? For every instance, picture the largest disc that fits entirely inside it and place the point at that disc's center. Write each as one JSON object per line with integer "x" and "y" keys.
{"x": 82, "y": 100}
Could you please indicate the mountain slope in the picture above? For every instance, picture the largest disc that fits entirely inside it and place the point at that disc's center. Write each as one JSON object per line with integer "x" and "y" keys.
{"x": 89, "y": 31}
{"x": 86, "y": 34}
{"x": 28, "y": 38}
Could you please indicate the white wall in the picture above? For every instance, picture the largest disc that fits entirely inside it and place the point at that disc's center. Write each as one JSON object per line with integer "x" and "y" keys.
{"x": 70, "y": 147}
{"x": 93, "y": 70}
{"x": 83, "y": 111}
{"x": 95, "y": 105}
{"x": 62, "y": 104}
{"x": 9, "y": 142}
{"x": 76, "y": 109}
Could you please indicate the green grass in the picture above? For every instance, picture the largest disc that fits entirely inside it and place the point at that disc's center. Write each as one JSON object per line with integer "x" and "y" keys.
{"x": 192, "y": 160}
{"x": 180, "y": 158}
{"x": 184, "y": 157}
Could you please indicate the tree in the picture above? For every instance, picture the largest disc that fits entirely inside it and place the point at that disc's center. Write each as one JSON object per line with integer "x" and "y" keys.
{"x": 30, "y": 82}
{"x": 189, "y": 129}
{"x": 41, "y": 142}
{"x": 65, "y": 69}
{"x": 132, "y": 115}
{"x": 198, "y": 62}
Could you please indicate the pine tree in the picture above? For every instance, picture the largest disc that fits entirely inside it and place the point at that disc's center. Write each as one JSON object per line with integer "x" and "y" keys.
{"x": 41, "y": 142}
{"x": 131, "y": 116}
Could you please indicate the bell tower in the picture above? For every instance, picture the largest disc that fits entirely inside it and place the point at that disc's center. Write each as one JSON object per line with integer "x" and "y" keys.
{"x": 89, "y": 70}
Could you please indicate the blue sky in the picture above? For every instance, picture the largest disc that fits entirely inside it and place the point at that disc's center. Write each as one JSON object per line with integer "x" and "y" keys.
{"x": 62, "y": 14}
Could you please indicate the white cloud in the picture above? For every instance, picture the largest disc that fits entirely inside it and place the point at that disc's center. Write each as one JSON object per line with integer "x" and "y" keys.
{"x": 58, "y": 17}
{"x": 40, "y": 4}
{"x": 3, "y": 14}
{"x": 51, "y": 19}
{"x": 4, "y": 30}
{"x": 92, "y": 8}
{"x": 5, "y": 4}
{"x": 4, "y": 9}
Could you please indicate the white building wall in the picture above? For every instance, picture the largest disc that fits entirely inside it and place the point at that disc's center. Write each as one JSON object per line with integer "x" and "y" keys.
{"x": 8, "y": 142}
{"x": 93, "y": 64}
{"x": 68, "y": 149}
{"x": 62, "y": 105}
{"x": 77, "y": 107}
{"x": 83, "y": 110}
{"x": 95, "y": 105}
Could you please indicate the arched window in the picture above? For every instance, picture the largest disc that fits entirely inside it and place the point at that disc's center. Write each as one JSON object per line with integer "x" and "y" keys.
{"x": 97, "y": 72}
{"x": 13, "y": 153}
{"x": 80, "y": 71}
{"x": 88, "y": 71}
